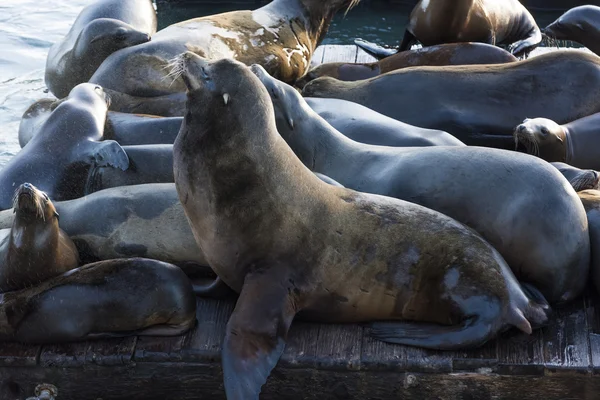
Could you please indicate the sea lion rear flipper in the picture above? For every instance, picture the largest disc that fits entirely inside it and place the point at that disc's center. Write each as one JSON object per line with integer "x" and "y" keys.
{"x": 374, "y": 49}
{"x": 407, "y": 41}
{"x": 472, "y": 332}
{"x": 109, "y": 153}
{"x": 255, "y": 335}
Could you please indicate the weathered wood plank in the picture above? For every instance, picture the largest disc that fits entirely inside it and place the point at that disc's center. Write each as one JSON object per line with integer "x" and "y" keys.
{"x": 301, "y": 346}
{"x": 378, "y": 355}
{"x": 339, "y": 53}
{"x": 63, "y": 355}
{"x": 110, "y": 352}
{"x": 339, "y": 346}
{"x": 19, "y": 355}
{"x": 317, "y": 57}
{"x": 363, "y": 57}
{"x": 521, "y": 354}
{"x": 482, "y": 360}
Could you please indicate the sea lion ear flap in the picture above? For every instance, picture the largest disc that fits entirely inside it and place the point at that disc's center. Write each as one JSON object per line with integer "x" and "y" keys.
{"x": 256, "y": 333}
{"x": 56, "y": 214}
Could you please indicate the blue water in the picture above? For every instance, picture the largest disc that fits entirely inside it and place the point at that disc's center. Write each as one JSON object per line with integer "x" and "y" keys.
{"x": 29, "y": 27}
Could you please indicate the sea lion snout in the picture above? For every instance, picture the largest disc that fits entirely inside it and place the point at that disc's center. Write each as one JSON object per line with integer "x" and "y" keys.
{"x": 27, "y": 198}
{"x": 193, "y": 71}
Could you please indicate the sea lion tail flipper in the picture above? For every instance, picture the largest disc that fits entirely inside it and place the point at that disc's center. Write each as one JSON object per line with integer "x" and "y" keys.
{"x": 216, "y": 289}
{"x": 536, "y": 313}
{"x": 109, "y": 153}
{"x": 374, "y": 49}
{"x": 255, "y": 334}
{"x": 472, "y": 332}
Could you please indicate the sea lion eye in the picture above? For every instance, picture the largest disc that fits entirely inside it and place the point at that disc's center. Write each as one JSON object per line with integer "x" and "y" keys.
{"x": 121, "y": 34}
{"x": 98, "y": 89}
{"x": 545, "y": 131}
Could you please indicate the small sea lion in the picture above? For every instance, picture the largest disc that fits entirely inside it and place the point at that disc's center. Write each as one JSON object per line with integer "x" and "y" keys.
{"x": 114, "y": 298}
{"x": 579, "y": 24}
{"x": 281, "y": 36}
{"x": 289, "y": 244}
{"x": 35, "y": 249}
{"x": 574, "y": 143}
{"x": 488, "y": 21}
{"x": 542, "y": 247}
{"x": 101, "y": 29}
{"x": 580, "y": 179}
{"x": 479, "y": 104}
{"x": 59, "y": 159}
{"x": 443, "y": 54}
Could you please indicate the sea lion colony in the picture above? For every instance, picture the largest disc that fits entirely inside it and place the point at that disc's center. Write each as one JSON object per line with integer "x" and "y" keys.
{"x": 355, "y": 203}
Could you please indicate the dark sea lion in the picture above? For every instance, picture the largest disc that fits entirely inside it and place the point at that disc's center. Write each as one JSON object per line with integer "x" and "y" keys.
{"x": 479, "y": 104}
{"x": 443, "y": 54}
{"x": 575, "y": 143}
{"x": 487, "y": 21}
{"x": 542, "y": 247}
{"x": 288, "y": 243}
{"x": 107, "y": 299}
{"x": 579, "y": 24}
{"x": 59, "y": 159}
{"x": 580, "y": 179}
{"x": 101, "y": 29}
{"x": 124, "y": 128}
{"x": 35, "y": 248}
{"x": 281, "y": 36}
{"x": 591, "y": 203}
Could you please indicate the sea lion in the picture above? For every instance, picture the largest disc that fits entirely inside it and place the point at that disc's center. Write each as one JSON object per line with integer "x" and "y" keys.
{"x": 479, "y": 104}
{"x": 35, "y": 248}
{"x": 124, "y": 128}
{"x": 288, "y": 243}
{"x": 281, "y": 36}
{"x": 488, "y": 21}
{"x": 114, "y": 298}
{"x": 543, "y": 245}
{"x": 580, "y": 179}
{"x": 443, "y": 54}
{"x": 59, "y": 158}
{"x": 579, "y": 24}
{"x": 101, "y": 29}
{"x": 574, "y": 143}
{"x": 591, "y": 202}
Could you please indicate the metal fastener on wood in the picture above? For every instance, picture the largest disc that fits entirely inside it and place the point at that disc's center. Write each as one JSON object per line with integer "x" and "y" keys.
{"x": 44, "y": 391}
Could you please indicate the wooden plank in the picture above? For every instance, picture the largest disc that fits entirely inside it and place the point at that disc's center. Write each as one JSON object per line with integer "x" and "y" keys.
{"x": 339, "y": 53}
{"x": 339, "y": 346}
{"x": 110, "y": 352}
{"x": 301, "y": 346}
{"x": 363, "y": 57}
{"x": 317, "y": 57}
{"x": 480, "y": 360}
{"x": 380, "y": 356}
{"x": 521, "y": 354}
{"x": 593, "y": 317}
{"x": 565, "y": 340}
{"x": 63, "y": 355}
{"x": 19, "y": 355}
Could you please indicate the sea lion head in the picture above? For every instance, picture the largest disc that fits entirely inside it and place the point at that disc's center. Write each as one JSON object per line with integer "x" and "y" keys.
{"x": 580, "y": 179}
{"x": 543, "y": 138}
{"x": 323, "y": 87}
{"x": 287, "y": 101}
{"x": 222, "y": 87}
{"x": 31, "y": 204}
{"x": 327, "y": 69}
{"x": 103, "y": 36}
{"x": 572, "y": 25}
{"x": 91, "y": 94}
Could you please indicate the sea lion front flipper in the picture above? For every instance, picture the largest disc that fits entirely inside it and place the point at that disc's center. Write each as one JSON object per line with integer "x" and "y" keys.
{"x": 472, "y": 332}
{"x": 109, "y": 153}
{"x": 374, "y": 49}
{"x": 256, "y": 333}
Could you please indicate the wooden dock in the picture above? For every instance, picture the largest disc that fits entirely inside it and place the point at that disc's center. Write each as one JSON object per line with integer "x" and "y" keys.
{"x": 321, "y": 361}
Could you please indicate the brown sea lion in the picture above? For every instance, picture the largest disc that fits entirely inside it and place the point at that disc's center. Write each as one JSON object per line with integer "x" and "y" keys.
{"x": 591, "y": 203}
{"x": 35, "y": 249}
{"x": 289, "y": 243}
{"x": 579, "y": 24}
{"x": 112, "y": 298}
{"x": 574, "y": 143}
{"x": 443, "y": 54}
{"x": 479, "y": 104}
{"x": 101, "y": 29}
{"x": 580, "y": 179}
{"x": 488, "y": 21}
{"x": 281, "y": 36}
{"x": 542, "y": 249}
{"x": 59, "y": 159}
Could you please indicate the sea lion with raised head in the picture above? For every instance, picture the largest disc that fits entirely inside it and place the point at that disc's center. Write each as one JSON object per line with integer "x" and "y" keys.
{"x": 580, "y": 179}
{"x": 101, "y": 29}
{"x": 579, "y": 24}
{"x": 58, "y": 160}
{"x": 495, "y": 22}
{"x": 443, "y": 54}
{"x": 281, "y": 36}
{"x": 289, "y": 243}
{"x": 479, "y": 104}
{"x": 114, "y": 298}
{"x": 35, "y": 249}
{"x": 574, "y": 143}
{"x": 542, "y": 247}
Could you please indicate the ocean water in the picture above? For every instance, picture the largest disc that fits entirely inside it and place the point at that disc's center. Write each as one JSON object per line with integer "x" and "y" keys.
{"x": 28, "y": 28}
